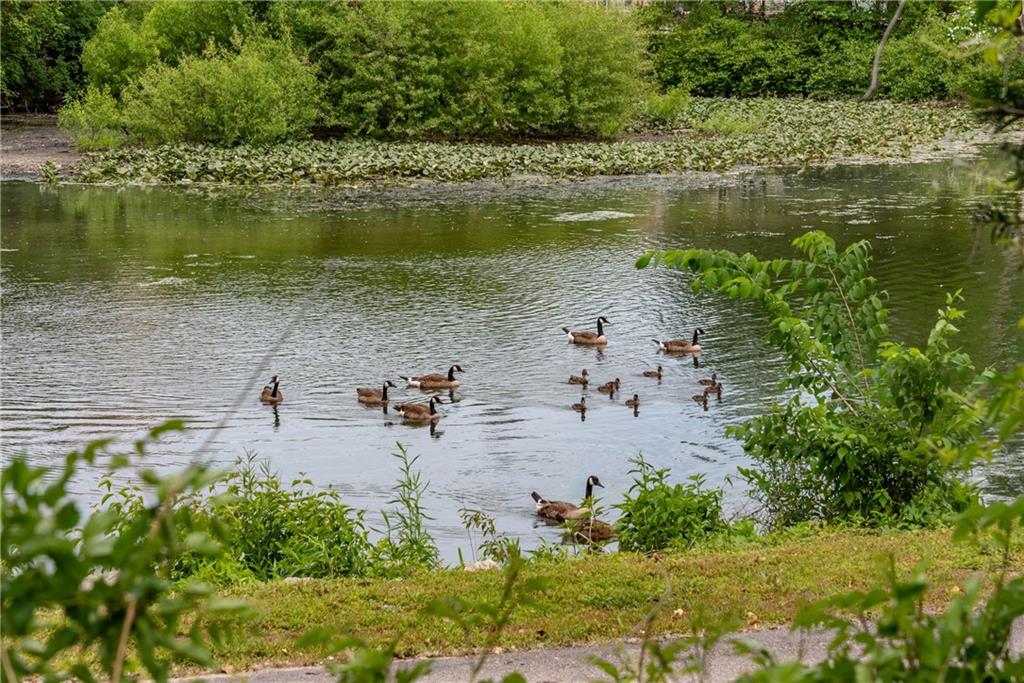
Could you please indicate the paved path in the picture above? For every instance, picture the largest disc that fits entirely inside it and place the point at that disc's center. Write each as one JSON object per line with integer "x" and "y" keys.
{"x": 571, "y": 664}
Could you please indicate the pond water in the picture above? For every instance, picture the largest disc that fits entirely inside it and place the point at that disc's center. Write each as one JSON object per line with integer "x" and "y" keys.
{"x": 125, "y": 307}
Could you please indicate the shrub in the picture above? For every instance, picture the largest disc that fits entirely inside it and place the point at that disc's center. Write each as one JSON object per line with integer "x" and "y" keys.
{"x": 601, "y": 68}
{"x": 861, "y": 438}
{"x": 83, "y": 596}
{"x": 657, "y": 515}
{"x": 664, "y": 110}
{"x": 811, "y": 47}
{"x": 273, "y": 531}
{"x": 94, "y": 120}
{"x": 262, "y": 94}
{"x": 270, "y": 530}
{"x": 469, "y": 69}
{"x": 41, "y": 43}
{"x": 183, "y": 27}
{"x": 119, "y": 52}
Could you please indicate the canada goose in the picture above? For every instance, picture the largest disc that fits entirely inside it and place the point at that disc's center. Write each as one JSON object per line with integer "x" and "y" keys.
{"x": 709, "y": 382}
{"x": 633, "y": 402}
{"x": 716, "y": 390}
{"x": 589, "y": 530}
{"x": 653, "y": 373}
{"x": 609, "y": 387}
{"x": 373, "y": 397}
{"x": 417, "y": 412}
{"x": 270, "y": 394}
{"x": 702, "y": 399}
{"x": 580, "y": 407}
{"x": 435, "y": 380}
{"x": 582, "y": 378}
{"x": 680, "y": 345}
{"x": 589, "y": 338}
{"x": 553, "y": 509}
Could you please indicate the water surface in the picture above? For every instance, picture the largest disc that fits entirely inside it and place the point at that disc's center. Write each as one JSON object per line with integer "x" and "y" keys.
{"x": 125, "y": 307}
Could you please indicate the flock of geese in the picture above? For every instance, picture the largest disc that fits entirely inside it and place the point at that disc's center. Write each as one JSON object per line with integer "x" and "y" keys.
{"x": 579, "y": 520}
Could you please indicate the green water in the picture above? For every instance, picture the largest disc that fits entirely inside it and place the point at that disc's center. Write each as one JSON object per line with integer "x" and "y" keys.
{"x": 124, "y": 307}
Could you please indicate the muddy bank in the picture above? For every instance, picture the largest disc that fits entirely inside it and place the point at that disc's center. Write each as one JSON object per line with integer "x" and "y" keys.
{"x": 27, "y": 141}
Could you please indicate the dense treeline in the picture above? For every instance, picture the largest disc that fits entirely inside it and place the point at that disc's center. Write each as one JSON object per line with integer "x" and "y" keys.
{"x": 821, "y": 49}
{"x": 231, "y": 71}
{"x": 235, "y": 71}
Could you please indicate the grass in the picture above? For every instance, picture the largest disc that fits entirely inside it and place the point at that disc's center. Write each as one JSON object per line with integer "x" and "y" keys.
{"x": 597, "y": 598}
{"x": 706, "y": 135}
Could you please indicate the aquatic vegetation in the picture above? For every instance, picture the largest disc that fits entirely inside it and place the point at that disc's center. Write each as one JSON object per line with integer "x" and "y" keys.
{"x": 787, "y": 132}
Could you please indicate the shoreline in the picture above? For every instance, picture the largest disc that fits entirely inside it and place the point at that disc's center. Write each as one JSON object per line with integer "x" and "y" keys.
{"x": 783, "y": 136}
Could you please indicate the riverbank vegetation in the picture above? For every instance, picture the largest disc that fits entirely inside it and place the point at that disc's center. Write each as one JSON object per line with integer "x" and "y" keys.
{"x": 232, "y": 72}
{"x": 705, "y": 135}
{"x": 822, "y": 50}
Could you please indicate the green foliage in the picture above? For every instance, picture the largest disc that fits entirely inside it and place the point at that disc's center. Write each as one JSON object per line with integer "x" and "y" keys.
{"x": 41, "y": 43}
{"x": 271, "y": 530}
{"x": 664, "y": 110}
{"x": 862, "y": 436}
{"x": 817, "y": 48}
{"x": 600, "y": 68}
{"x": 407, "y": 545}
{"x": 657, "y": 515}
{"x": 469, "y": 69}
{"x": 262, "y": 94}
{"x": 118, "y": 53}
{"x": 182, "y": 27}
{"x": 91, "y": 584}
{"x": 790, "y": 132}
{"x": 94, "y": 120}
{"x": 493, "y": 546}
{"x": 886, "y": 635}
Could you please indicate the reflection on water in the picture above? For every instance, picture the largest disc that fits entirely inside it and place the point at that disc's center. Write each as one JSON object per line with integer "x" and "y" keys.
{"x": 125, "y": 307}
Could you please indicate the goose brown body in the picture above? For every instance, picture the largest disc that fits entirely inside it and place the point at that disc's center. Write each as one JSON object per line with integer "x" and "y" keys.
{"x": 582, "y": 378}
{"x": 709, "y": 381}
{"x": 580, "y": 407}
{"x": 656, "y": 374}
{"x": 435, "y": 380}
{"x": 374, "y": 397}
{"x": 589, "y": 338}
{"x": 633, "y": 402}
{"x": 559, "y": 509}
{"x": 589, "y": 530}
{"x": 609, "y": 387}
{"x": 681, "y": 345}
{"x": 417, "y": 412}
{"x": 271, "y": 393}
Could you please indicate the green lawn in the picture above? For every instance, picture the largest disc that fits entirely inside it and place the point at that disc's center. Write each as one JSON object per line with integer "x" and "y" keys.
{"x": 597, "y": 598}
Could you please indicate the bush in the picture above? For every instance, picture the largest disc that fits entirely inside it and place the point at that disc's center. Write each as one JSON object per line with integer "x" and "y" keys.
{"x": 665, "y": 110}
{"x": 601, "y": 67}
{"x": 41, "y": 43}
{"x": 83, "y": 596}
{"x": 659, "y": 516}
{"x": 469, "y": 69}
{"x": 810, "y": 48}
{"x": 861, "y": 438}
{"x": 119, "y": 52}
{"x": 271, "y": 530}
{"x": 94, "y": 120}
{"x": 183, "y": 27}
{"x": 262, "y": 94}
